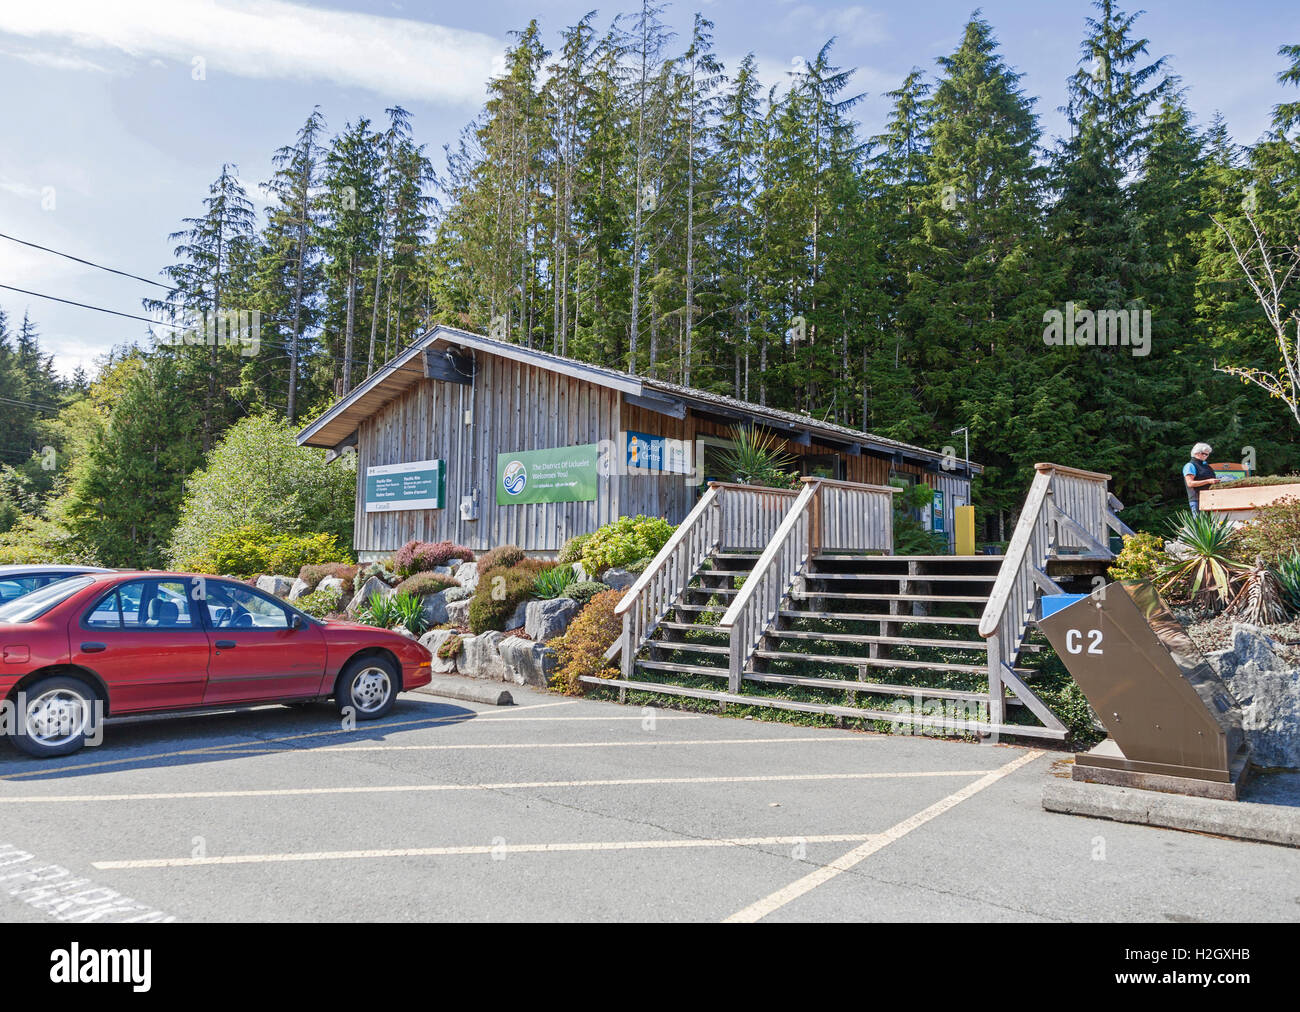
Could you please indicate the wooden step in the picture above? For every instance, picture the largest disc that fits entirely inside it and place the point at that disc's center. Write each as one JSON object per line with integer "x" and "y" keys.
{"x": 912, "y": 641}
{"x": 699, "y": 648}
{"x": 901, "y": 577}
{"x": 852, "y": 616}
{"x": 776, "y": 703}
{"x": 724, "y": 591}
{"x": 858, "y": 596}
{"x": 682, "y": 669}
{"x": 904, "y": 559}
{"x": 874, "y": 688}
{"x": 871, "y": 662}
{"x": 693, "y": 627}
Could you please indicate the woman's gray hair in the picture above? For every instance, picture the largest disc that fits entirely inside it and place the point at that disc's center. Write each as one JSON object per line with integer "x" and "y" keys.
{"x": 1201, "y": 448}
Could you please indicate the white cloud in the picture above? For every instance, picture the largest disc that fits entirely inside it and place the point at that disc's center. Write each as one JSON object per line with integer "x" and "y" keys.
{"x": 54, "y": 61}
{"x": 395, "y": 57}
{"x": 853, "y": 26}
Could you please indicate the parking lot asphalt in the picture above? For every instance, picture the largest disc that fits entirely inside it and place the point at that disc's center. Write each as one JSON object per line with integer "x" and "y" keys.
{"x": 570, "y": 809}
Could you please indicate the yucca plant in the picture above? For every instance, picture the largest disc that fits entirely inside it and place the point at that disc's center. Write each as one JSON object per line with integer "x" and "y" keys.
{"x": 1260, "y": 600}
{"x": 382, "y": 610}
{"x": 553, "y": 582}
{"x": 1209, "y": 569}
{"x": 410, "y": 612}
{"x": 756, "y": 458}
{"x": 1288, "y": 578}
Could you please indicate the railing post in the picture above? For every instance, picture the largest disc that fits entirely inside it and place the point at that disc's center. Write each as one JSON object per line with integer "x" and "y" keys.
{"x": 997, "y": 694}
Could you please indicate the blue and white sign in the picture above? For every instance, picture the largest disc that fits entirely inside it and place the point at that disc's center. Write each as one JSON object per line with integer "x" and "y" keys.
{"x": 657, "y": 453}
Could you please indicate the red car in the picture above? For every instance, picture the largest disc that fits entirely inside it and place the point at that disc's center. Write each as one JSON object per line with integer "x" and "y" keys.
{"x": 125, "y": 643}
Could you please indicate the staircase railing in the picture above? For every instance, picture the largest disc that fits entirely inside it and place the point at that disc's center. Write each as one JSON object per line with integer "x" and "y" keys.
{"x": 853, "y": 518}
{"x": 1065, "y": 508}
{"x": 759, "y": 600}
{"x": 727, "y": 516}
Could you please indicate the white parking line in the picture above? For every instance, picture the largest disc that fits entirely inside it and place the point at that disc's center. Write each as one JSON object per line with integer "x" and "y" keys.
{"x": 36, "y": 799}
{"x": 494, "y": 849}
{"x": 780, "y": 898}
{"x": 57, "y": 892}
{"x": 331, "y": 749}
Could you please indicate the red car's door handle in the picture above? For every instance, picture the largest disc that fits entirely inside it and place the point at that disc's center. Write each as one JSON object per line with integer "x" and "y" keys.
{"x": 93, "y": 648}
{"x": 226, "y": 644}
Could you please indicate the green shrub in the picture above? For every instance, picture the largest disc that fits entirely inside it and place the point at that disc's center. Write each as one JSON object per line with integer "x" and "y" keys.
{"x": 581, "y": 649}
{"x": 389, "y": 610}
{"x": 911, "y": 537}
{"x": 572, "y": 550}
{"x": 1274, "y": 532}
{"x": 1288, "y": 576}
{"x": 1256, "y": 481}
{"x": 551, "y": 582}
{"x": 1142, "y": 557}
{"x": 584, "y": 590}
{"x": 422, "y": 556}
{"x": 500, "y": 591}
{"x": 623, "y": 542}
{"x": 312, "y": 575}
{"x": 640, "y": 566}
{"x": 425, "y": 583}
{"x": 757, "y": 457}
{"x": 383, "y": 570}
{"x": 256, "y": 548}
{"x": 501, "y": 556}
{"x": 322, "y": 602}
{"x": 450, "y": 647}
{"x": 258, "y": 475}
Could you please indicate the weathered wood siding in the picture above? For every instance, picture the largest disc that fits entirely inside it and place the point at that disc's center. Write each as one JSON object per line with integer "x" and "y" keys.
{"x": 516, "y": 407}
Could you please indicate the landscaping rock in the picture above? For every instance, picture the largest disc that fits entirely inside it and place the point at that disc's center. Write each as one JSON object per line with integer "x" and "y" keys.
{"x": 435, "y": 608}
{"x": 433, "y": 640}
{"x": 467, "y": 575}
{"x": 619, "y": 579}
{"x": 527, "y": 662}
{"x": 445, "y": 570}
{"x": 373, "y": 587}
{"x": 580, "y": 575}
{"x": 520, "y": 616}
{"x": 1269, "y": 695}
{"x": 480, "y": 656}
{"x": 453, "y": 564}
{"x": 458, "y": 611}
{"x": 401, "y": 630}
{"x": 277, "y": 585}
{"x": 298, "y": 589}
{"x": 544, "y": 620}
{"x": 336, "y": 582}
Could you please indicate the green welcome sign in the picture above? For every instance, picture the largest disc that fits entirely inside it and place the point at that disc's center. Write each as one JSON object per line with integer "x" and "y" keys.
{"x": 564, "y": 474}
{"x": 419, "y": 485}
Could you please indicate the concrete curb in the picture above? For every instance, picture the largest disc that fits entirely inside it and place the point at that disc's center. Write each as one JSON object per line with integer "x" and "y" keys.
{"x": 1245, "y": 820}
{"x": 468, "y": 690}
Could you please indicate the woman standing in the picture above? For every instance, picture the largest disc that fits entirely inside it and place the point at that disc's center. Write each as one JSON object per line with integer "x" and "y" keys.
{"x": 1197, "y": 474}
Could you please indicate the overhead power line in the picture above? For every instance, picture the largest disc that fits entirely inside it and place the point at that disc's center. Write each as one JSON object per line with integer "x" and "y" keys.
{"x": 88, "y": 263}
{"x": 98, "y": 309}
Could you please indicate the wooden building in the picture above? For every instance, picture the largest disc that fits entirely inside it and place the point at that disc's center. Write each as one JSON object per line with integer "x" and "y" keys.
{"x": 482, "y": 442}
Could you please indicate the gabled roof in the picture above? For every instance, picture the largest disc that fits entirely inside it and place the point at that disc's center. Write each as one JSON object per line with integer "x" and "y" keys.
{"x": 337, "y": 424}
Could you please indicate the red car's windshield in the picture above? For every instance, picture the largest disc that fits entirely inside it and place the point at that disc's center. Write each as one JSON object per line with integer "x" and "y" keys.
{"x": 32, "y": 606}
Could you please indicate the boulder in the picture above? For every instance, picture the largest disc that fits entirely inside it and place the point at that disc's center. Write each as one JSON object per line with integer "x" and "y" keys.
{"x": 298, "y": 589}
{"x": 374, "y": 587}
{"x": 526, "y": 662}
{"x": 619, "y": 579}
{"x": 1178, "y": 551}
{"x": 580, "y": 575}
{"x": 544, "y": 620}
{"x": 480, "y": 656}
{"x": 1269, "y": 694}
{"x": 277, "y": 585}
{"x": 435, "y": 608}
{"x": 338, "y": 583}
{"x": 401, "y": 630}
{"x": 457, "y": 611}
{"x": 433, "y": 640}
{"x": 467, "y": 575}
{"x": 519, "y": 617}
{"x": 445, "y": 570}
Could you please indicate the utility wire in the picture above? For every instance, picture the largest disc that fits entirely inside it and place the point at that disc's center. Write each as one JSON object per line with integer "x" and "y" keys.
{"x": 88, "y": 263}
{"x": 98, "y": 309}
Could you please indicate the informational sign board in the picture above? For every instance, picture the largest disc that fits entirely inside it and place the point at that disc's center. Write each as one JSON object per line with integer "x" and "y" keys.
{"x": 419, "y": 485}
{"x": 1230, "y": 472}
{"x": 938, "y": 517}
{"x": 564, "y": 474}
{"x": 657, "y": 453}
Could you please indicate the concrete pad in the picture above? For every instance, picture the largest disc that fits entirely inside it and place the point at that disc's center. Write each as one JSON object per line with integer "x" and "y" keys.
{"x": 450, "y": 687}
{"x": 1245, "y": 820}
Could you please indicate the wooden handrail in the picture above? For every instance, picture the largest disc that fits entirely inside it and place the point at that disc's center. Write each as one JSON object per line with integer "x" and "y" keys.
{"x": 1013, "y": 564}
{"x": 773, "y": 549}
{"x": 891, "y": 489}
{"x": 1077, "y": 472}
{"x": 707, "y": 501}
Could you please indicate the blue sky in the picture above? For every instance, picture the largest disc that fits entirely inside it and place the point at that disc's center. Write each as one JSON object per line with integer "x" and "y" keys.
{"x": 119, "y": 114}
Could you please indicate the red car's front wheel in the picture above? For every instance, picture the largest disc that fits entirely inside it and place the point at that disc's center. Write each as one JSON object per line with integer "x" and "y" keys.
{"x": 54, "y": 716}
{"x": 368, "y": 686}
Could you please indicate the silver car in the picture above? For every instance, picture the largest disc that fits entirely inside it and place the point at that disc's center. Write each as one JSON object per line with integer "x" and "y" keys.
{"x": 16, "y": 581}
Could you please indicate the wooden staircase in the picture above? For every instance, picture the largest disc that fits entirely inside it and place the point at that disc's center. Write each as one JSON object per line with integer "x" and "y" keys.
{"x": 819, "y": 621}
